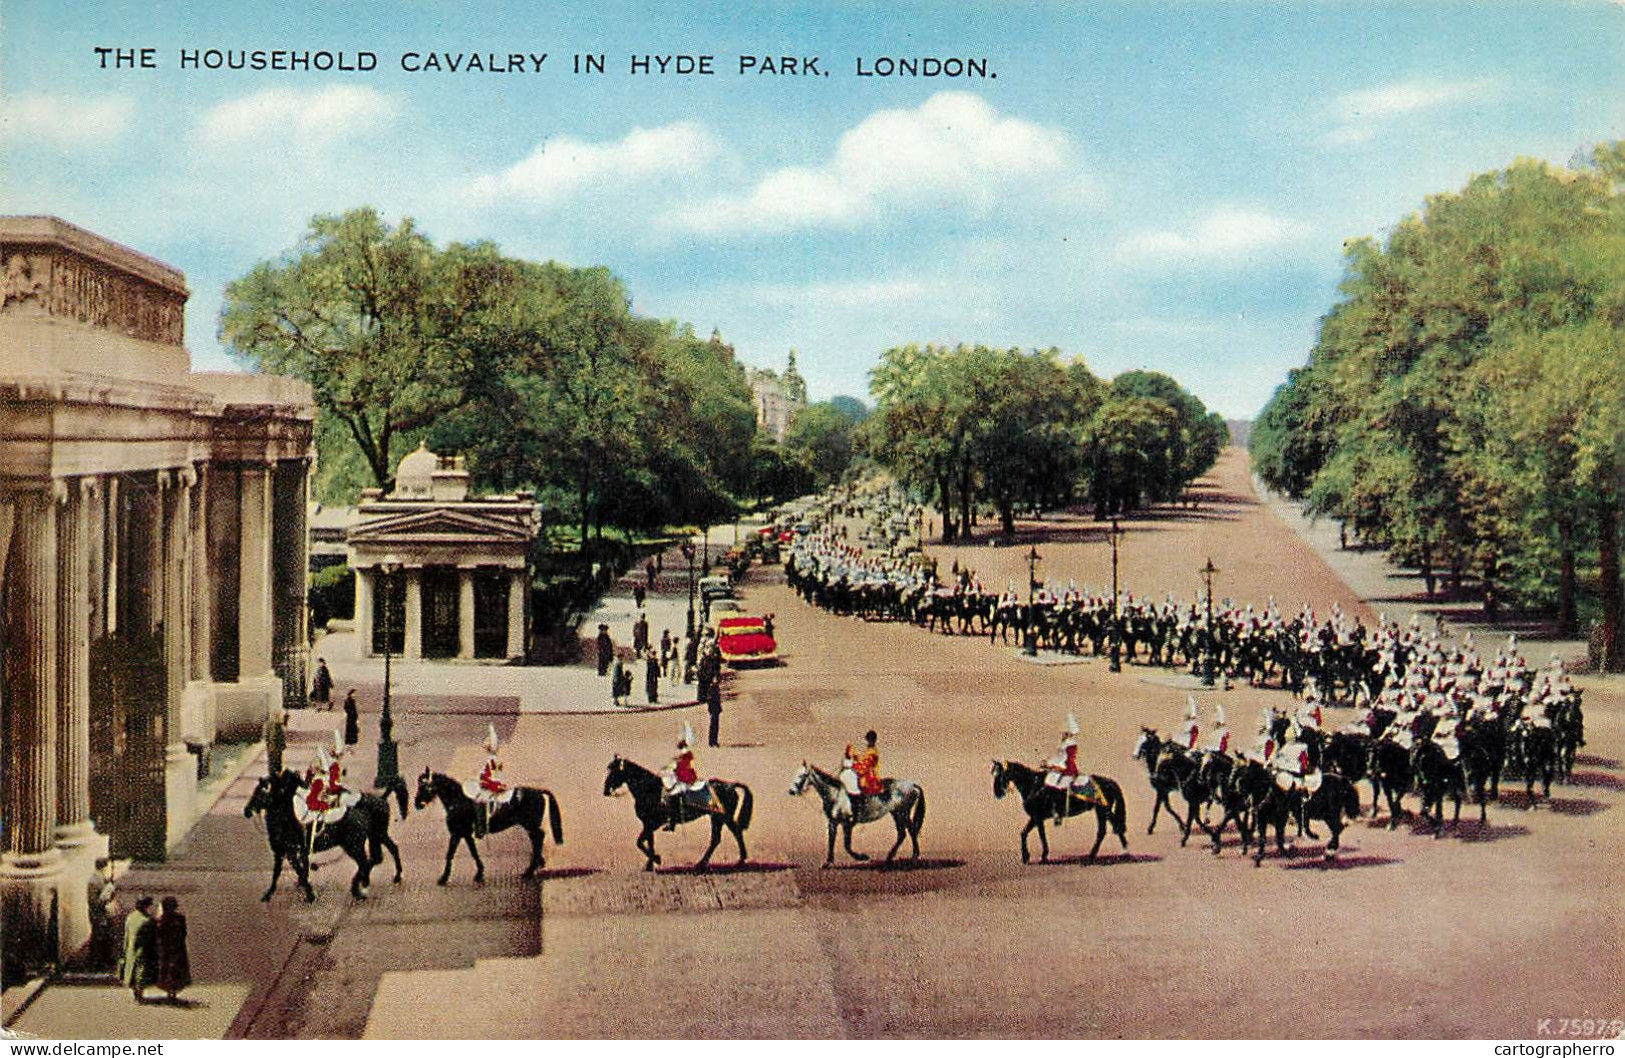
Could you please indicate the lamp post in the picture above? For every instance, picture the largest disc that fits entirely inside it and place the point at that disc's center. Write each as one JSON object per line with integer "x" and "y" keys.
{"x": 1030, "y": 646}
{"x": 388, "y": 752}
{"x": 688, "y": 553}
{"x": 1207, "y": 573}
{"x": 1115, "y": 535}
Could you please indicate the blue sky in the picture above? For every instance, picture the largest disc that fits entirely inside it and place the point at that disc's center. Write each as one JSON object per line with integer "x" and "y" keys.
{"x": 1165, "y": 186}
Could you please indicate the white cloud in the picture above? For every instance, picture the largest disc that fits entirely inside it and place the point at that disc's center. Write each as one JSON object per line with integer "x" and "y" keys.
{"x": 295, "y": 117}
{"x": 562, "y": 167}
{"x": 1359, "y": 116}
{"x": 1227, "y": 235}
{"x": 846, "y": 295}
{"x": 66, "y": 120}
{"x": 952, "y": 150}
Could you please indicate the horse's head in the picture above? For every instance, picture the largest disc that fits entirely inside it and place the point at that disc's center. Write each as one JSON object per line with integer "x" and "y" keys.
{"x": 799, "y": 784}
{"x": 1000, "y": 779}
{"x": 260, "y": 799}
{"x": 426, "y": 791}
{"x": 1146, "y": 745}
{"x": 614, "y": 775}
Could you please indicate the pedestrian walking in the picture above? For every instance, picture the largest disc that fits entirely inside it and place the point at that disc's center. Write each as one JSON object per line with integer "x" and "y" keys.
{"x": 138, "y": 967}
{"x": 713, "y": 705}
{"x": 640, "y": 634}
{"x": 651, "y": 676}
{"x": 174, "y": 966}
{"x": 616, "y": 677}
{"x": 352, "y": 719}
{"x": 638, "y": 595}
{"x": 321, "y": 685}
{"x": 606, "y": 649}
{"x": 668, "y": 652}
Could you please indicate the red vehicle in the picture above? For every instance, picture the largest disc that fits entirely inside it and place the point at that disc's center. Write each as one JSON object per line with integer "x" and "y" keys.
{"x": 744, "y": 641}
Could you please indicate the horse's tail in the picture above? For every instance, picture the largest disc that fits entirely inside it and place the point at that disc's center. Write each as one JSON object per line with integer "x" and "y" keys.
{"x": 397, "y": 786}
{"x": 917, "y": 817}
{"x": 1119, "y": 807}
{"x": 553, "y": 819}
{"x": 747, "y": 802}
{"x": 1351, "y": 800}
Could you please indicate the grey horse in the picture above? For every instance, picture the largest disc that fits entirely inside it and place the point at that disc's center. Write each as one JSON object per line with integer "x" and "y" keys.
{"x": 903, "y": 800}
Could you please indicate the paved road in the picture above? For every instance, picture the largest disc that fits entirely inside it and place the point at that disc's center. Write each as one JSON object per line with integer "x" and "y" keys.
{"x": 1481, "y": 933}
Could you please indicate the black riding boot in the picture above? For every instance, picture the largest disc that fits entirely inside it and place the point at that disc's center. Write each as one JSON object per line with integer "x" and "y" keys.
{"x": 671, "y": 814}
{"x": 482, "y": 820}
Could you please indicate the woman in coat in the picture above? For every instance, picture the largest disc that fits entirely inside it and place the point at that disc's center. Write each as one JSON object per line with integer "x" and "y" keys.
{"x": 174, "y": 966}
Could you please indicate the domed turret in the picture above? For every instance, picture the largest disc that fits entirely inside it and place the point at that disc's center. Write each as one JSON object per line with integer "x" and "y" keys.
{"x": 414, "y": 478}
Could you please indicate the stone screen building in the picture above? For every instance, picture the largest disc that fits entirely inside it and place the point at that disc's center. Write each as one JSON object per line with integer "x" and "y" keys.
{"x": 440, "y": 573}
{"x": 152, "y": 568}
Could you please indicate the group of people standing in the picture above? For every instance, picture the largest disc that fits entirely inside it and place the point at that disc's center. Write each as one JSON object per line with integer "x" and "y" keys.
{"x": 154, "y": 954}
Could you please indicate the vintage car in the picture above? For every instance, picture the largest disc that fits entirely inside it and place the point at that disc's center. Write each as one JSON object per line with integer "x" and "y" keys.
{"x": 719, "y": 586}
{"x": 744, "y": 641}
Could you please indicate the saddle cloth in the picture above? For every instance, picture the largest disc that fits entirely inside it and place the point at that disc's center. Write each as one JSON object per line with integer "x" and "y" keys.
{"x": 475, "y": 792}
{"x": 303, "y": 813}
{"x": 1083, "y": 789}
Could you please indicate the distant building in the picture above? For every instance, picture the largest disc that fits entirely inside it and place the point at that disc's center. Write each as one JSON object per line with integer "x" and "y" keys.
{"x": 439, "y": 573}
{"x": 777, "y": 397}
{"x": 152, "y": 569}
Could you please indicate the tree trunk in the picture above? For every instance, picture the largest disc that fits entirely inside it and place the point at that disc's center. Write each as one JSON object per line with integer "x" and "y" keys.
{"x": 1427, "y": 566}
{"x": 964, "y": 503}
{"x": 1609, "y": 586}
{"x": 950, "y": 531}
{"x": 1007, "y": 518}
{"x": 1568, "y": 618}
{"x": 1492, "y": 602}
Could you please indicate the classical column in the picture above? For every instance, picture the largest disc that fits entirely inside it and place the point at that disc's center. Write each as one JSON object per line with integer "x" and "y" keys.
{"x": 465, "y": 613}
{"x": 180, "y": 767}
{"x": 76, "y": 835}
{"x": 290, "y": 619}
{"x": 111, "y": 557}
{"x": 365, "y": 580}
{"x": 254, "y": 580}
{"x": 201, "y": 639}
{"x": 518, "y": 588}
{"x": 414, "y": 614}
{"x": 30, "y": 866}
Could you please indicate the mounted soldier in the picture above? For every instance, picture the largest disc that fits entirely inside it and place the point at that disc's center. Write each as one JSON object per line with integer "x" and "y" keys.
{"x": 1190, "y": 729}
{"x": 860, "y": 772}
{"x": 488, "y": 789}
{"x": 681, "y": 778}
{"x": 1065, "y": 776}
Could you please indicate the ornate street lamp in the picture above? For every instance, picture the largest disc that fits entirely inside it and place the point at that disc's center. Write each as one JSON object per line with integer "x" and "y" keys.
{"x": 388, "y": 751}
{"x": 688, "y": 553}
{"x": 1207, "y": 573}
{"x": 1115, "y": 535}
{"x": 1030, "y": 647}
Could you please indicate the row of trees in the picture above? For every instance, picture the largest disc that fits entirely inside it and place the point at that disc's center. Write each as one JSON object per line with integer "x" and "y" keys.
{"x": 539, "y": 374}
{"x": 1020, "y": 428}
{"x": 1464, "y": 404}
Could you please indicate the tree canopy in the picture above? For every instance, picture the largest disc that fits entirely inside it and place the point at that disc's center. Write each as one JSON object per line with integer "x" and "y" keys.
{"x": 1464, "y": 404}
{"x": 1021, "y": 428}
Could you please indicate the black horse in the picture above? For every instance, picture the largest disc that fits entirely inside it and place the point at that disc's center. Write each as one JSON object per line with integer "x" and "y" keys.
{"x": 1391, "y": 777}
{"x": 1438, "y": 777}
{"x": 1535, "y": 754}
{"x": 362, "y": 832}
{"x": 1170, "y": 768}
{"x": 1040, "y": 803}
{"x": 1273, "y": 807}
{"x": 734, "y": 801}
{"x": 528, "y": 809}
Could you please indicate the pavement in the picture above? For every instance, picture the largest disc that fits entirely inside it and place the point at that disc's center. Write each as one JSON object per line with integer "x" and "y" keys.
{"x": 1480, "y": 933}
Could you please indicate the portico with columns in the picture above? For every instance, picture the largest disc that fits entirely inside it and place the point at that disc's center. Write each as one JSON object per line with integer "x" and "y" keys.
{"x": 151, "y": 568}
{"x": 443, "y": 575}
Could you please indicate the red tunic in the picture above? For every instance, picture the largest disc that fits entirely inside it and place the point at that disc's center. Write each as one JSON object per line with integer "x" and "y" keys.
{"x": 1070, "y": 768}
{"x": 683, "y": 768}
{"x": 315, "y": 800}
{"x": 867, "y": 766}
{"x": 488, "y": 780}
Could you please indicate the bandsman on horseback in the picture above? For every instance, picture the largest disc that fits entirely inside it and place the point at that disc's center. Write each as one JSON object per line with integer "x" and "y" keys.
{"x": 860, "y": 771}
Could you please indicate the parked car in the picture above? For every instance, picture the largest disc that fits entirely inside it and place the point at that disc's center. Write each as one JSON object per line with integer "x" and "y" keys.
{"x": 744, "y": 641}
{"x": 717, "y": 586}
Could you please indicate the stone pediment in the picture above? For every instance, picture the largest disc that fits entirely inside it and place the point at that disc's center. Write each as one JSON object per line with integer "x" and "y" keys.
{"x": 438, "y": 526}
